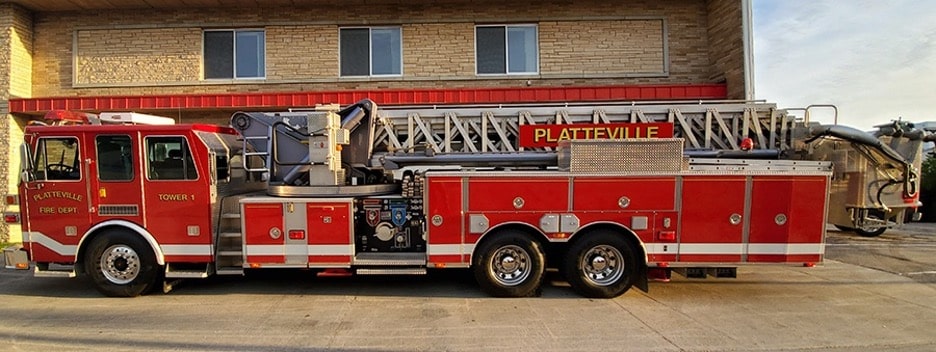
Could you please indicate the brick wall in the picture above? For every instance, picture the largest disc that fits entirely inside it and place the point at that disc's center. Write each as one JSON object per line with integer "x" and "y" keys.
{"x": 603, "y": 47}
{"x": 726, "y": 48}
{"x": 16, "y": 38}
{"x": 581, "y": 42}
{"x": 139, "y": 56}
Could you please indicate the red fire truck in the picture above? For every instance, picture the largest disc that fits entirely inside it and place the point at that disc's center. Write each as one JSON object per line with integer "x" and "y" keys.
{"x": 136, "y": 202}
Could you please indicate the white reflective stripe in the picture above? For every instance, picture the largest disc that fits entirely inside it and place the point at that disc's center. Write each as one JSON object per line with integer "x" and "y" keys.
{"x": 331, "y": 249}
{"x": 450, "y": 249}
{"x": 786, "y": 248}
{"x": 662, "y": 248}
{"x": 735, "y": 248}
{"x": 295, "y": 249}
{"x": 265, "y": 249}
{"x": 48, "y": 242}
{"x": 187, "y": 249}
{"x": 711, "y": 248}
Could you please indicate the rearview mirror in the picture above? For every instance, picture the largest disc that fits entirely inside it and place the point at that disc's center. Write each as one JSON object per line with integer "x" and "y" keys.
{"x": 26, "y": 164}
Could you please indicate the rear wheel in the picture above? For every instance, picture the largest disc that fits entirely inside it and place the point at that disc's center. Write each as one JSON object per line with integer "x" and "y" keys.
{"x": 601, "y": 265}
{"x": 510, "y": 264}
{"x": 121, "y": 264}
{"x": 871, "y": 230}
{"x": 844, "y": 228}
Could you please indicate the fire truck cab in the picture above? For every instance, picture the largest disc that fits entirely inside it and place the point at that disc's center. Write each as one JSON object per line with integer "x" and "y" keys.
{"x": 117, "y": 201}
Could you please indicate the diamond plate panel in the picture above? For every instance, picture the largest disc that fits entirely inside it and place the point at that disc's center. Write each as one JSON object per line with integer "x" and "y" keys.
{"x": 620, "y": 156}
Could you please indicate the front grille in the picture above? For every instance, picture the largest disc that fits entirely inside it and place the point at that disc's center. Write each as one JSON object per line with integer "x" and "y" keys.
{"x": 128, "y": 210}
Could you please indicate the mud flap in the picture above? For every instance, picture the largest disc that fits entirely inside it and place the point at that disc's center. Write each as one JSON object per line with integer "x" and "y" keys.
{"x": 642, "y": 282}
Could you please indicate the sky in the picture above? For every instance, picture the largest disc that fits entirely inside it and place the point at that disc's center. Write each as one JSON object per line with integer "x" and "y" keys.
{"x": 874, "y": 59}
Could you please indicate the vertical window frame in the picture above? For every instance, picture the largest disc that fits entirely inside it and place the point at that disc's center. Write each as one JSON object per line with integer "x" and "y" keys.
{"x": 370, "y": 51}
{"x": 234, "y": 32}
{"x": 506, "y": 28}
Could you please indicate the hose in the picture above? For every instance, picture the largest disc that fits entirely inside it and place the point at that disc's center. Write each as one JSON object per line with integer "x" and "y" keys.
{"x": 862, "y": 138}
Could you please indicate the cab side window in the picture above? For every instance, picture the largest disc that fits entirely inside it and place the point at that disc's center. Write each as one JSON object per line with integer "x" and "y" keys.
{"x": 58, "y": 159}
{"x": 114, "y": 158}
{"x": 169, "y": 158}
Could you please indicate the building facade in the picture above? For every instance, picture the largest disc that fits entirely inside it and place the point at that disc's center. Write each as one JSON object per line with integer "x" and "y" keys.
{"x": 200, "y": 60}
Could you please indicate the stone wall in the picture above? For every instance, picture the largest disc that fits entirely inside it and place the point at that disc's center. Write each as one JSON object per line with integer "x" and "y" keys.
{"x": 580, "y": 42}
{"x": 16, "y": 47}
{"x": 726, "y": 48}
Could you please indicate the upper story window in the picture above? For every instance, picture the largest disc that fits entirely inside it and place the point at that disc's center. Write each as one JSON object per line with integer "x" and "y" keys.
{"x": 114, "y": 158}
{"x": 235, "y": 54}
{"x": 506, "y": 49}
{"x": 58, "y": 158}
{"x": 374, "y": 51}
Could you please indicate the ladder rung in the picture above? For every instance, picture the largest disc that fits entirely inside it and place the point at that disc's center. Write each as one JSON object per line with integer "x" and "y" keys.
{"x": 231, "y": 234}
{"x": 231, "y": 216}
{"x": 230, "y": 253}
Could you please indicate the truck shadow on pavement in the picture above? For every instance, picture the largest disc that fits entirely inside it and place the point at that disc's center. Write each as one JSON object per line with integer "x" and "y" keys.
{"x": 445, "y": 284}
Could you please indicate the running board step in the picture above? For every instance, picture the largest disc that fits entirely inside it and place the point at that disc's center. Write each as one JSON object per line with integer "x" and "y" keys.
{"x": 391, "y": 271}
{"x": 53, "y": 273}
{"x": 390, "y": 259}
{"x": 229, "y": 271}
{"x": 187, "y": 274}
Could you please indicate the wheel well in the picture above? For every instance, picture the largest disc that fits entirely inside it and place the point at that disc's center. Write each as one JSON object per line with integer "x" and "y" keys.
{"x": 525, "y": 229}
{"x": 97, "y": 232}
{"x": 628, "y": 235}
{"x": 632, "y": 240}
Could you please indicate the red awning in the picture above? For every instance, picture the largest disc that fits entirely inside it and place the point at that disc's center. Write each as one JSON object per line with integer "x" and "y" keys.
{"x": 275, "y": 101}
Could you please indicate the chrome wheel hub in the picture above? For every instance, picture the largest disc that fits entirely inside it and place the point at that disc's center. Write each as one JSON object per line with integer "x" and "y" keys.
{"x": 602, "y": 265}
{"x": 510, "y": 265}
{"x": 120, "y": 264}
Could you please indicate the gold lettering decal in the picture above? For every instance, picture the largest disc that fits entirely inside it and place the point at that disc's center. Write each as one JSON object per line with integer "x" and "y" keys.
{"x": 174, "y": 197}
{"x": 539, "y": 134}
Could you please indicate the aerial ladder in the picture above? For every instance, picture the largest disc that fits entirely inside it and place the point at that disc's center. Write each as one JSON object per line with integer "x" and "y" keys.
{"x": 875, "y": 181}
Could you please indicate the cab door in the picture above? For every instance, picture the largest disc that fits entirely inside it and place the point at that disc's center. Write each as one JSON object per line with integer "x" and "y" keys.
{"x": 56, "y": 198}
{"x": 116, "y": 179}
{"x": 177, "y": 196}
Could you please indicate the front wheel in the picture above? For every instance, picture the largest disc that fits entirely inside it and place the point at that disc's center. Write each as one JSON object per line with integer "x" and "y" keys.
{"x": 602, "y": 265}
{"x": 121, "y": 264}
{"x": 510, "y": 265}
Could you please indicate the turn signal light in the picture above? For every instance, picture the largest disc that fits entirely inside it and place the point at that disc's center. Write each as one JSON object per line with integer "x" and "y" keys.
{"x": 12, "y": 199}
{"x": 296, "y": 234}
{"x": 22, "y": 266}
{"x": 747, "y": 144}
{"x": 11, "y": 218}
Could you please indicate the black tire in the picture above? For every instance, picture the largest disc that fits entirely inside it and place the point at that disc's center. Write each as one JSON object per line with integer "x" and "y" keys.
{"x": 871, "y": 231}
{"x": 600, "y": 265}
{"x": 844, "y": 228}
{"x": 121, "y": 264}
{"x": 509, "y": 264}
